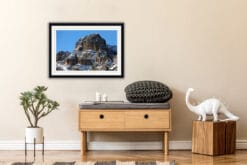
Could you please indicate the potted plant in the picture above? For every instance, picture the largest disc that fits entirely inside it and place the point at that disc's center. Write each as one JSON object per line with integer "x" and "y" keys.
{"x": 36, "y": 105}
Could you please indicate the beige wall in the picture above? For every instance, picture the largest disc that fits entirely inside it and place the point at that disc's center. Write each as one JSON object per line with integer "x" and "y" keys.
{"x": 200, "y": 44}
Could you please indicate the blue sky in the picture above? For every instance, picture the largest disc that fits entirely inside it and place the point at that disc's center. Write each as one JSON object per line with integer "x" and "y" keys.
{"x": 66, "y": 39}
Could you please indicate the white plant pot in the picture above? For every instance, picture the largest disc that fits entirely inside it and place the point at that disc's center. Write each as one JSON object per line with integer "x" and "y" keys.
{"x": 34, "y": 133}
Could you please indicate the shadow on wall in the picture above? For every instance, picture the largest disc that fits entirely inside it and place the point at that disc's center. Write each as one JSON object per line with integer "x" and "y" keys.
{"x": 182, "y": 117}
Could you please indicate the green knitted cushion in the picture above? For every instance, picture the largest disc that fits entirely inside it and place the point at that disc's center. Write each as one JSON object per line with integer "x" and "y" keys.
{"x": 148, "y": 92}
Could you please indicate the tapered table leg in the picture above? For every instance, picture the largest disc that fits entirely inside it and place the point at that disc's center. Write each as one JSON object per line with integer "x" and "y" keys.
{"x": 83, "y": 143}
{"x": 166, "y": 143}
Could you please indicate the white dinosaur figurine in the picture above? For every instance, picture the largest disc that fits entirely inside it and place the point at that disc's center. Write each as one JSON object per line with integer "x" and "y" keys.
{"x": 210, "y": 106}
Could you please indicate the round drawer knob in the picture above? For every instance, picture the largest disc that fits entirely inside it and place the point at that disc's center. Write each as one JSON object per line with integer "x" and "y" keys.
{"x": 101, "y": 116}
{"x": 146, "y": 116}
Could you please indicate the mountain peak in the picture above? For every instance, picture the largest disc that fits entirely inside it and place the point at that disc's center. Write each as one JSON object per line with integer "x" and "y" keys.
{"x": 91, "y": 42}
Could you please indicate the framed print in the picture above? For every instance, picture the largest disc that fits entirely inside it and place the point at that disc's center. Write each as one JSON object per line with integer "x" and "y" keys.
{"x": 86, "y": 50}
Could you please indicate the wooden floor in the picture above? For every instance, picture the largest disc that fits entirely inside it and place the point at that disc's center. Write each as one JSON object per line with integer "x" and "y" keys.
{"x": 181, "y": 157}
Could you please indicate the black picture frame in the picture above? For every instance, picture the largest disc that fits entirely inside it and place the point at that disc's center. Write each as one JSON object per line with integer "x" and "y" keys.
{"x": 98, "y": 51}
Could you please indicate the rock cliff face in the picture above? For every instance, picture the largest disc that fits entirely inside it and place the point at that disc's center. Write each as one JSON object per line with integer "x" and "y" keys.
{"x": 91, "y": 52}
{"x": 91, "y": 42}
{"x": 62, "y": 55}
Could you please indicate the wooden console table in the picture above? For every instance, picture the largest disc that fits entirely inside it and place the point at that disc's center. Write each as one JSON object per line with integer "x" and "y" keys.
{"x": 127, "y": 120}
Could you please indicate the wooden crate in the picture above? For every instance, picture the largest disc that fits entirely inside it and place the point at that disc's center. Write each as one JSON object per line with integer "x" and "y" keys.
{"x": 214, "y": 138}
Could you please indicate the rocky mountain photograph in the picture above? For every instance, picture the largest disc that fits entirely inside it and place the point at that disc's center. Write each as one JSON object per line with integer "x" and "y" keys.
{"x": 86, "y": 51}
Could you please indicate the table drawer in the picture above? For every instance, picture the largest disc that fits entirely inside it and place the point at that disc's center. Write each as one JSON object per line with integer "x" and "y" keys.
{"x": 101, "y": 119}
{"x": 147, "y": 119}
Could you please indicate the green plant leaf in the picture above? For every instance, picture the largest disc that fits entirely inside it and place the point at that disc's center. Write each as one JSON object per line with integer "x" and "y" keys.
{"x": 36, "y": 104}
